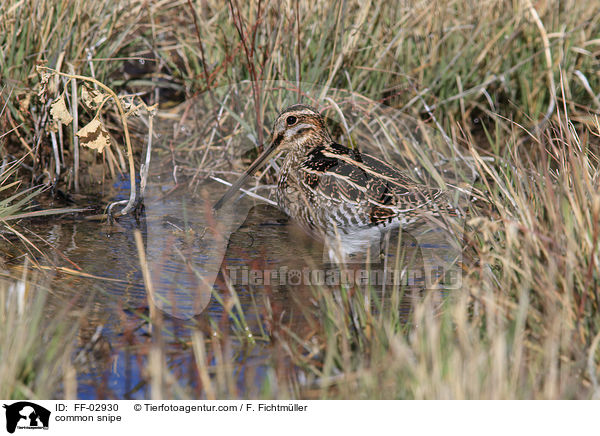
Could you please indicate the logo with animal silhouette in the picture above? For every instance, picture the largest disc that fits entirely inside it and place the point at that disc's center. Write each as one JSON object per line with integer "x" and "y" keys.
{"x": 26, "y": 415}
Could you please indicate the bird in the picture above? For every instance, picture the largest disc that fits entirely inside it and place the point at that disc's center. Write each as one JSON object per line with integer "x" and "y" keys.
{"x": 333, "y": 190}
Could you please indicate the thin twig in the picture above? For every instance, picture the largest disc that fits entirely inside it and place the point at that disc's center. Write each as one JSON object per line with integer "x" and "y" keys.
{"x": 74, "y": 114}
{"x": 144, "y": 168}
{"x": 548, "y": 56}
{"x": 239, "y": 25}
{"x": 248, "y": 193}
{"x": 202, "y": 57}
{"x": 56, "y": 156}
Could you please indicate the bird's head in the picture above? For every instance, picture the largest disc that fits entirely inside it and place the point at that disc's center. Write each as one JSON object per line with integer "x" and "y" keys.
{"x": 297, "y": 128}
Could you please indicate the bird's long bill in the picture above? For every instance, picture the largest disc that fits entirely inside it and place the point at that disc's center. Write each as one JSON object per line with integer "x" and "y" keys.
{"x": 267, "y": 153}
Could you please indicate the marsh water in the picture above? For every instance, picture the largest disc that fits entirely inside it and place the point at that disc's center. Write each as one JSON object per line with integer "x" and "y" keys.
{"x": 270, "y": 264}
{"x": 236, "y": 275}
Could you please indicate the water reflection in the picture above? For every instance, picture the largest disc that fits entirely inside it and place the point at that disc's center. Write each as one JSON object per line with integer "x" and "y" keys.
{"x": 249, "y": 269}
{"x": 268, "y": 261}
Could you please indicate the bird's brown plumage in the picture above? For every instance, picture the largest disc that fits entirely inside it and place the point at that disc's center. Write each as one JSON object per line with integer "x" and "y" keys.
{"x": 330, "y": 188}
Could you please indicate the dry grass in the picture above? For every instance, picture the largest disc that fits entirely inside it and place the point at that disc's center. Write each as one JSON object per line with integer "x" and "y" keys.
{"x": 36, "y": 342}
{"x": 516, "y": 81}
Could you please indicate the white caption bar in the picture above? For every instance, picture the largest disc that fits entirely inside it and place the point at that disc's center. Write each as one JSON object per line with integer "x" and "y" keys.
{"x": 298, "y": 417}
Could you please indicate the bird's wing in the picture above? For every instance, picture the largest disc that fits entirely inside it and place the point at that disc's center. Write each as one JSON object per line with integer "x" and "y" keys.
{"x": 343, "y": 175}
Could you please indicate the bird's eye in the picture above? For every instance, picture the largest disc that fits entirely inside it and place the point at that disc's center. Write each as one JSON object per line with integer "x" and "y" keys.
{"x": 291, "y": 120}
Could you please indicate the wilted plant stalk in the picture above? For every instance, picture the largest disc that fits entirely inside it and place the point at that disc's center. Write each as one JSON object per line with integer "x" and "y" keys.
{"x": 96, "y": 126}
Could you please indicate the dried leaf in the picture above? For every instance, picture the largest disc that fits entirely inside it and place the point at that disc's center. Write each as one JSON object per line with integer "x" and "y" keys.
{"x": 24, "y": 101}
{"x": 59, "y": 111}
{"x": 44, "y": 77}
{"x": 129, "y": 106}
{"x": 94, "y": 135}
{"x": 152, "y": 110}
{"x": 92, "y": 98}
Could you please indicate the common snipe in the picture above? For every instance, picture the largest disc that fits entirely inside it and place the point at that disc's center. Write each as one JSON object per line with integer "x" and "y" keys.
{"x": 331, "y": 189}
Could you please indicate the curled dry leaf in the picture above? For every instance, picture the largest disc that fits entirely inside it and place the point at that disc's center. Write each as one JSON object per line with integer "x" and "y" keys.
{"x": 152, "y": 110}
{"x": 59, "y": 111}
{"x": 24, "y": 101}
{"x": 92, "y": 98}
{"x": 94, "y": 135}
{"x": 44, "y": 74}
{"x": 131, "y": 108}
{"x": 44, "y": 78}
{"x": 129, "y": 105}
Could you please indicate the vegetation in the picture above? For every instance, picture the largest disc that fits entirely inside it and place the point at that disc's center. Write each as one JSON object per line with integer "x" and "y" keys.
{"x": 35, "y": 350}
{"x": 514, "y": 83}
